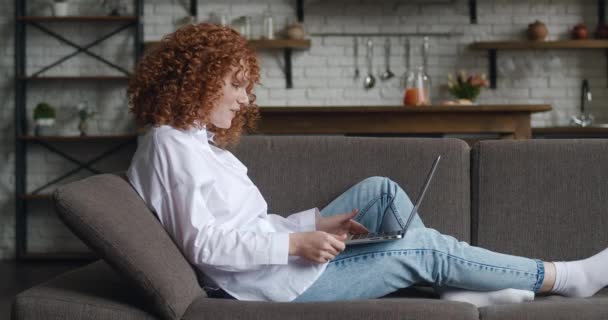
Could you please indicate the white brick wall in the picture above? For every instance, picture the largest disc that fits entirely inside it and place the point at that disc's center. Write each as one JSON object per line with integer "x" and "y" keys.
{"x": 322, "y": 75}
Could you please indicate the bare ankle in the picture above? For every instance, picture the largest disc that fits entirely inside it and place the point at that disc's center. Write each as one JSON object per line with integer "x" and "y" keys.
{"x": 549, "y": 279}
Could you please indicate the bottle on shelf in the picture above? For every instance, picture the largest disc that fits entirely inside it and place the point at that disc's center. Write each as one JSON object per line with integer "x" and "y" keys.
{"x": 268, "y": 29}
{"x": 417, "y": 82}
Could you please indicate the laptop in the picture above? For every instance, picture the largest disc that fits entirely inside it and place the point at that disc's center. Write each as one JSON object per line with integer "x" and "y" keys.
{"x": 399, "y": 234}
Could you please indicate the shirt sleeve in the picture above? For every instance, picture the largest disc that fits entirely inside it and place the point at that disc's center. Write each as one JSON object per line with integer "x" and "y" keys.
{"x": 304, "y": 221}
{"x": 206, "y": 242}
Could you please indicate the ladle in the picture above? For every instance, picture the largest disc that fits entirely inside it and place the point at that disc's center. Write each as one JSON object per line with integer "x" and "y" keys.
{"x": 387, "y": 74}
{"x": 369, "y": 80}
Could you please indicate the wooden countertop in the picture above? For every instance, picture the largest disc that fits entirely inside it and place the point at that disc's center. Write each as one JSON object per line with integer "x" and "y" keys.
{"x": 571, "y": 130}
{"x": 509, "y": 121}
{"x": 382, "y": 109}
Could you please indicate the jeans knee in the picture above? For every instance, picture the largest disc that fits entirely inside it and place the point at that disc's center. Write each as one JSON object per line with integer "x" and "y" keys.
{"x": 377, "y": 182}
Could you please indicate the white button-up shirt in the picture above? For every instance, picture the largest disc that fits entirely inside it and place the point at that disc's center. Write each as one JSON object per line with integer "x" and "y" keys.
{"x": 217, "y": 216}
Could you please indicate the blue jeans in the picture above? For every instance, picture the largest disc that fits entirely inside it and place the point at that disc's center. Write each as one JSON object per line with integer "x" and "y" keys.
{"x": 423, "y": 256}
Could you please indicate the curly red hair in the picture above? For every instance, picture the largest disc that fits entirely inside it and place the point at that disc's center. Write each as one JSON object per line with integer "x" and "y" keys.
{"x": 179, "y": 80}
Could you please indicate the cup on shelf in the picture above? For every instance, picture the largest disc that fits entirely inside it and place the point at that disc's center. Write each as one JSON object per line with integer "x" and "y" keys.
{"x": 60, "y": 8}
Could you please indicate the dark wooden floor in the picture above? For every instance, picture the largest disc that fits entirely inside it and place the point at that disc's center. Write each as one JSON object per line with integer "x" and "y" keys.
{"x": 18, "y": 276}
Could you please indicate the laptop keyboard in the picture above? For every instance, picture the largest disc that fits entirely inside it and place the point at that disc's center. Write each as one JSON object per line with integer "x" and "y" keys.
{"x": 375, "y": 235}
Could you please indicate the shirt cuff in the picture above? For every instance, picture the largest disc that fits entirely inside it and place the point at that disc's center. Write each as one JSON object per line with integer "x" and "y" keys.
{"x": 305, "y": 220}
{"x": 279, "y": 248}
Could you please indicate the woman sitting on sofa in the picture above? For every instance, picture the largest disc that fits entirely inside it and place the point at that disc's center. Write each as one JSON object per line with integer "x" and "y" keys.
{"x": 194, "y": 93}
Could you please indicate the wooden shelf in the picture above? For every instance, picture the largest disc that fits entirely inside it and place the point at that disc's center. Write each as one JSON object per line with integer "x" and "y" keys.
{"x": 493, "y": 46}
{"x": 78, "y": 78}
{"x": 280, "y": 44}
{"x": 58, "y": 256}
{"x": 79, "y": 138}
{"x": 77, "y": 19}
{"x": 264, "y": 44}
{"x": 525, "y": 44}
{"x": 36, "y": 197}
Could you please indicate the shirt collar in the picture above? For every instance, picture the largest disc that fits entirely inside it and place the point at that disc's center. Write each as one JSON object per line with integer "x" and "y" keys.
{"x": 197, "y": 129}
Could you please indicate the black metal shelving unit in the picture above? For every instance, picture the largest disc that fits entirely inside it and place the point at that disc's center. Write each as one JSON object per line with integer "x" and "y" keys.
{"x": 22, "y": 80}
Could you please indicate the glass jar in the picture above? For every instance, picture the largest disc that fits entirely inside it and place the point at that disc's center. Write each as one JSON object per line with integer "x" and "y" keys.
{"x": 417, "y": 89}
{"x": 268, "y": 32}
{"x": 243, "y": 26}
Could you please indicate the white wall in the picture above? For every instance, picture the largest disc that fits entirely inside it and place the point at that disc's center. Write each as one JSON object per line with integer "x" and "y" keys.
{"x": 322, "y": 76}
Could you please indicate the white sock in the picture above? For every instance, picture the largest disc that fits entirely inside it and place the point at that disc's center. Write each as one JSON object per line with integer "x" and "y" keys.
{"x": 581, "y": 278}
{"x": 486, "y": 298}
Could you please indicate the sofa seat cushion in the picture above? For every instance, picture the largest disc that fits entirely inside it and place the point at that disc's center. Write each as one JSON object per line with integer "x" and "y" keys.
{"x": 551, "y": 307}
{"x": 91, "y": 292}
{"x": 387, "y": 308}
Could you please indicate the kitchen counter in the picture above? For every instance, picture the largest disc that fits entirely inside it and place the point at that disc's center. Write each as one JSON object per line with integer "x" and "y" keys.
{"x": 508, "y": 121}
{"x": 594, "y": 131}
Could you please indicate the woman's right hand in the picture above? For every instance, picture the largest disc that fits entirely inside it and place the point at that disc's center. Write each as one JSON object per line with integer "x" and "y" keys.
{"x": 316, "y": 246}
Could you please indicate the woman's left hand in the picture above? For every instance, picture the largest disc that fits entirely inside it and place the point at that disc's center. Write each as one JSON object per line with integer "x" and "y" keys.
{"x": 340, "y": 224}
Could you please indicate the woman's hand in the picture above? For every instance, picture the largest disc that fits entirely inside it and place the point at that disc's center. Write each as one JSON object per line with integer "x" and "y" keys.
{"x": 340, "y": 224}
{"x": 316, "y": 246}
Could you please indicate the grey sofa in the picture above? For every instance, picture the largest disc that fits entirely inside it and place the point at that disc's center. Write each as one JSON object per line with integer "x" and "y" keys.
{"x": 540, "y": 198}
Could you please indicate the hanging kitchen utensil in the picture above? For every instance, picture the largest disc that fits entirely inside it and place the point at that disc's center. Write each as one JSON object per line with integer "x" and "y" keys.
{"x": 369, "y": 80}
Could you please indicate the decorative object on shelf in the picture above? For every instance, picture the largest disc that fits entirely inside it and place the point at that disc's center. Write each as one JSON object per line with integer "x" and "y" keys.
{"x": 537, "y": 31}
{"x": 44, "y": 119}
{"x": 580, "y": 32}
{"x": 220, "y": 17}
{"x": 242, "y": 24}
{"x": 184, "y": 21}
{"x": 114, "y": 7}
{"x": 60, "y": 8}
{"x": 601, "y": 32}
{"x": 466, "y": 88}
{"x": 84, "y": 113}
{"x": 295, "y": 31}
{"x": 268, "y": 31}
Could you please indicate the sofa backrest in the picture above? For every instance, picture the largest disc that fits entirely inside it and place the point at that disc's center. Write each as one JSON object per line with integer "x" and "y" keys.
{"x": 109, "y": 216}
{"x": 300, "y": 172}
{"x": 546, "y": 199}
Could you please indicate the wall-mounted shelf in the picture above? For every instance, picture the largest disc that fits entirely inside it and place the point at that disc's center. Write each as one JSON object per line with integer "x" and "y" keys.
{"x": 287, "y": 45}
{"x": 77, "y": 19}
{"x": 493, "y": 46}
{"x": 36, "y": 197}
{"x": 76, "y": 78}
{"x": 280, "y": 44}
{"x": 525, "y": 44}
{"x": 23, "y": 80}
{"x": 125, "y": 137}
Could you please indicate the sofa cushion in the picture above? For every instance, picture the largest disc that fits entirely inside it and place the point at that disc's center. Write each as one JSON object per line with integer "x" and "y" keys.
{"x": 390, "y": 308}
{"x": 309, "y": 171}
{"x": 110, "y": 217}
{"x": 541, "y": 198}
{"x": 551, "y": 307}
{"x": 95, "y": 291}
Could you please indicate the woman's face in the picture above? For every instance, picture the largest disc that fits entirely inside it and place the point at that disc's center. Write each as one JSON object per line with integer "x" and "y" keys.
{"x": 234, "y": 97}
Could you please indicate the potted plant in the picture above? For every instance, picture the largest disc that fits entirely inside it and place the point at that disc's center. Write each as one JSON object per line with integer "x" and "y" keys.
{"x": 466, "y": 88}
{"x": 44, "y": 118}
{"x": 60, "y": 8}
{"x": 84, "y": 113}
